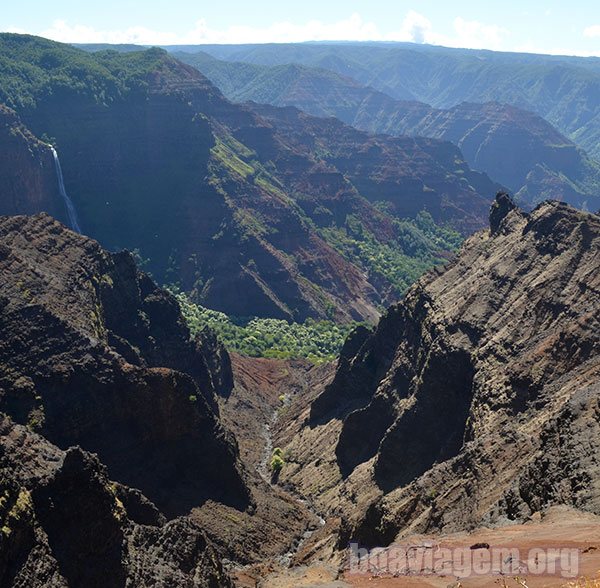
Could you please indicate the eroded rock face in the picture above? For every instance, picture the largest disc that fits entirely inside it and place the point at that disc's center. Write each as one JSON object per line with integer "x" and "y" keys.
{"x": 65, "y": 525}
{"x": 28, "y": 182}
{"x": 517, "y": 148}
{"x": 475, "y": 399}
{"x": 92, "y": 353}
{"x": 406, "y": 173}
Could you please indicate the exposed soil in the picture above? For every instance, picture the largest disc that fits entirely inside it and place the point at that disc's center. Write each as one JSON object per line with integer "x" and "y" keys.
{"x": 559, "y": 528}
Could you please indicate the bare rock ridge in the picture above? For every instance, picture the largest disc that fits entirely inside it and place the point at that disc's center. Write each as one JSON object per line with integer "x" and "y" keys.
{"x": 476, "y": 398}
{"x": 92, "y": 353}
{"x": 116, "y": 451}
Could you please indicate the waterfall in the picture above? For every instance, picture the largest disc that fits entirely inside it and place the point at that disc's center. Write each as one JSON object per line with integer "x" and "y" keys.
{"x": 71, "y": 212}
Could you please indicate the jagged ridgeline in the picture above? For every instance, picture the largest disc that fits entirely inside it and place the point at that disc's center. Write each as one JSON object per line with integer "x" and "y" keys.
{"x": 474, "y": 402}
{"x": 252, "y": 211}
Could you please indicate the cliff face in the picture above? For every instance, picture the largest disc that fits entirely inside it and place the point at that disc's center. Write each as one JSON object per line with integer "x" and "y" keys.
{"x": 28, "y": 182}
{"x": 406, "y": 174}
{"x": 519, "y": 149}
{"x": 468, "y": 403}
{"x": 94, "y": 354}
{"x": 220, "y": 200}
{"x": 96, "y": 359}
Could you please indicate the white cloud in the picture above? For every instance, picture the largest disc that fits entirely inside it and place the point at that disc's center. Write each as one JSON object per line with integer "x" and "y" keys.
{"x": 469, "y": 34}
{"x": 593, "y": 31}
{"x": 414, "y": 27}
{"x": 352, "y": 28}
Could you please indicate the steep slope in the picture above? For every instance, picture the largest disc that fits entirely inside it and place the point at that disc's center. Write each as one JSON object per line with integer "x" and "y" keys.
{"x": 515, "y": 147}
{"x": 563, "y": 90}
{"x": 475, "y": 401}
{"x": 387, "y": 170}
{"x": 28, "y": 182}
{"x": 94, "y": 354}
{"x": 520, "y": 149}
{"x": 215, "y": 198}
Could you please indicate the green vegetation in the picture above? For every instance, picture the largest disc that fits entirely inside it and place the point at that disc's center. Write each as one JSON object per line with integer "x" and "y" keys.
{"x": 33, "y": 69}
{"x": 21, "y": 509}
{"x": 257, "y": 337}
{"x": 277, "y": 460}
{"x": 419, "y": 245}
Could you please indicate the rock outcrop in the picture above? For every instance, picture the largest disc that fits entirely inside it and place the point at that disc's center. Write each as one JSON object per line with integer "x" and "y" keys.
{"x": 475, "y": 399}
{"x": 94, "y": 354}
{"x": 116, "y": 450}
{"x": 28, "y": 182}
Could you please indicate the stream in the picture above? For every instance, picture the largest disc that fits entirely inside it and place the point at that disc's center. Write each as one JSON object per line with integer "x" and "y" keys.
{"x": 263, "y": 469}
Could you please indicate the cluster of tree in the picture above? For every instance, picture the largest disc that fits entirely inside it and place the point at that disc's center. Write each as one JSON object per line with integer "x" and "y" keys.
{"x": 419, "y": 245}
{"x": 315, "y": 340}
{"x": 46, "y": 70}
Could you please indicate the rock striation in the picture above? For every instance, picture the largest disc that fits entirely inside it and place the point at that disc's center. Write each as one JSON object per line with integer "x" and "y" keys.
{"x": 475, "y": 400}
{"x": 94, "y": 354}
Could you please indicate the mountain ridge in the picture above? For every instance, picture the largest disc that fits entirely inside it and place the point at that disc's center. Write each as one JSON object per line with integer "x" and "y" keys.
{"x": 517, "y": 148}
{"x": 433, "y": 412}
{"x": 560, "y": 89}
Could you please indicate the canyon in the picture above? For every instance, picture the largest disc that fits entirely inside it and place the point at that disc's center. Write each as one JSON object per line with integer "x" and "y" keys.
{"x": 463, "y": 407}
{"x": 136, "y": 449}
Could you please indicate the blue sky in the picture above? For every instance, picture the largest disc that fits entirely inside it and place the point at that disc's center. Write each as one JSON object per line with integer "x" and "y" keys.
{"x": 552, "y": 26}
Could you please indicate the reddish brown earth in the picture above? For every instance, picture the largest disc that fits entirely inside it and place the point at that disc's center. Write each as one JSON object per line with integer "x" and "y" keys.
{"x": 515, "y": 147}
{"x": 559, "y": 528}
{"x": 407, "y": 440}
{"x": 476, "y": 436}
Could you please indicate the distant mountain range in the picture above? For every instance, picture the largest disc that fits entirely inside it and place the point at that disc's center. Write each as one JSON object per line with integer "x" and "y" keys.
{"x": 516, "y": 147}
{"x": 563, "y": 90}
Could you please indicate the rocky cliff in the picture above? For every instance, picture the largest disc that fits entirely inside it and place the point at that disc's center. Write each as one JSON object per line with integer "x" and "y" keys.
{"x": 28, "y": 182}
{"x": 92, "y": 353}
{"x": 516, "y": 147}
{"x": 66, "y": 525}
{"x": 476, "y": 399}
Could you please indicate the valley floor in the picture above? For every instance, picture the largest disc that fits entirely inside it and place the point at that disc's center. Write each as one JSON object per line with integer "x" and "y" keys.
{"x": 271, "y": 394}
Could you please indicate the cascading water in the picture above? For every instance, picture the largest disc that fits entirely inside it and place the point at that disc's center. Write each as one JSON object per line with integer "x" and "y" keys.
{"x": 71, "y": 211}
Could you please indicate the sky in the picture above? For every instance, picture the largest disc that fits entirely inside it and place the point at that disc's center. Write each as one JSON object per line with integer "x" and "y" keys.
{"x": 554, "y": 26}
